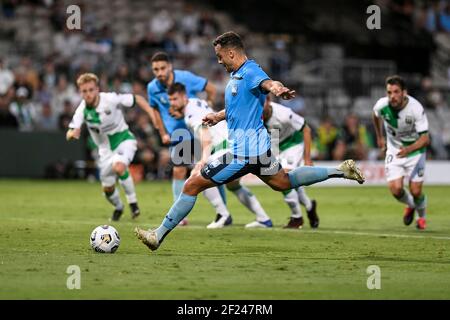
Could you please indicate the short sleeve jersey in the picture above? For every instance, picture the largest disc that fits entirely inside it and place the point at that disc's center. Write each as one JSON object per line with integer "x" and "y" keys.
{"x": 106, "y": 123}
{"x": 286, "y": 122}
{"x": 157, "y": 95}
{"x": 244, "y": 102}
{"x": 194, "y": 113}
{"x": 402, "y": 128}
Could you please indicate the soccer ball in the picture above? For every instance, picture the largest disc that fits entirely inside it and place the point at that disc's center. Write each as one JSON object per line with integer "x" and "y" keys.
{"x": 105, "y": 239}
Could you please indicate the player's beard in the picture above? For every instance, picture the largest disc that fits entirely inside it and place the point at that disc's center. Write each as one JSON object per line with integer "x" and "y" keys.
{"x": 163, "y": 79}
{"x": 397, "y": 104}
{"x": 92, "y": 101}
{"x": 229, "y": 70}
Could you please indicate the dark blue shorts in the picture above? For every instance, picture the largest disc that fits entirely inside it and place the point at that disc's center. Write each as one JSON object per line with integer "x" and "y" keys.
{"x": 228, "y": 167}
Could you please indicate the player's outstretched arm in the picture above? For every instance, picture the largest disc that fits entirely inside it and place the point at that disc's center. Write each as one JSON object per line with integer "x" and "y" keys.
{"x": 378, "y": 125}
{"x": 278, "y": 89}
{"x": 211, "y": 119}
{"x": 155, "y": 118}
{"x": 211, "y": 91}
{"x": 205, "y": 140}
{"x": 143, "y": 104}
{"x": 307, "y": 138}
{"x": 73, "y": 134}
{"x": 165, "y": 137}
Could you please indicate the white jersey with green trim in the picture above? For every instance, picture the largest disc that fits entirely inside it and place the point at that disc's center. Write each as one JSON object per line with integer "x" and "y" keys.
{"x": 288, "y": 125}
{"x": 106, "y": 123}
{"x": 195, "y": 111}
{"x": 402, "y": 128}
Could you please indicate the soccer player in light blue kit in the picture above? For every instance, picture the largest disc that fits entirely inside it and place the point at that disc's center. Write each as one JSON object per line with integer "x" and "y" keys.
{"x": 173, "y": 131}
{"x": 250, "y": 142}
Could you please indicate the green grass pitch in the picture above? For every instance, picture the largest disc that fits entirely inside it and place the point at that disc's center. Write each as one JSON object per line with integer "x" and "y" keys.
{"x": 45, "y": 227}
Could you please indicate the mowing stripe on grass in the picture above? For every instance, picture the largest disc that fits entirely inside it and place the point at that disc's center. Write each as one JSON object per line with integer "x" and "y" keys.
{"x": 392, "y": 235}
{"x": 350, "y": 233}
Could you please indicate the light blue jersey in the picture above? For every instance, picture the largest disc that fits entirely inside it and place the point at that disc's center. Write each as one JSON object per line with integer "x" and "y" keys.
{"x": 157, "y": 95}
{"x": 244, "y": 104}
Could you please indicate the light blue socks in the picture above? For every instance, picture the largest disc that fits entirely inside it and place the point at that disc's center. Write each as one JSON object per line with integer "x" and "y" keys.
{"x": 177, "y": 212}
{"x": 177, "y": 187}
{"x": 305, "y": 176}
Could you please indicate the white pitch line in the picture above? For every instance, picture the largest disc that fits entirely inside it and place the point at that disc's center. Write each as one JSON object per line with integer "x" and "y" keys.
{"x": 391, "y": 235}
{"x": 353, "y": 233}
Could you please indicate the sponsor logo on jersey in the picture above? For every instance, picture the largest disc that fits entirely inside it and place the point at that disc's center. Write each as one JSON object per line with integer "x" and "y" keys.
{"x": 163, "y": 100}
{"x": 409, "y": 120}
{"x": 234, "y": 89}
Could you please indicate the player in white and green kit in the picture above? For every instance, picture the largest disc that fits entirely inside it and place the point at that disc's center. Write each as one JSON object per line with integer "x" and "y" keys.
{"x": 102, "y": 114}
{"x": 292, "y": 136}
{"x": 406, "y": 126}
{"x": 214, "y": 143}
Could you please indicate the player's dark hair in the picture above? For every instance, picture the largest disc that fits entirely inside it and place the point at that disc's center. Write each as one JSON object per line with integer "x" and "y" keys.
{"x": 176, "y": 87}
{"x": 160, "y": 56}
{"x": 396, "y": 80}
{"x": 229, "y": 39}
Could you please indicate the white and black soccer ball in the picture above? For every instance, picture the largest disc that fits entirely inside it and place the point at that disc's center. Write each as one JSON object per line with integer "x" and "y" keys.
{"x": 105, "y": 239}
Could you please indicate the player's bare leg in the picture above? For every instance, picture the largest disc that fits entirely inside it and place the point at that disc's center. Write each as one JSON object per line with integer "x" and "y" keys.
{"x": 119, "y": 168}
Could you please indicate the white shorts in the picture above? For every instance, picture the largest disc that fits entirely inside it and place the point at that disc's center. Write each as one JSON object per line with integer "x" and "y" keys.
{"x": 124, "y": 154}
{"x": 292, "y": 157}
{"x": 411, "y": 167}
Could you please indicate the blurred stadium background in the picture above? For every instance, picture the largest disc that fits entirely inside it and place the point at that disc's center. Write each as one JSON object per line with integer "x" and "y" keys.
{"x": 321, "y": 48}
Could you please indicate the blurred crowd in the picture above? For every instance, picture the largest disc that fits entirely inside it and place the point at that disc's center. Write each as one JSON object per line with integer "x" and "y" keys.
{"x": 38, "y": 92}
{"x": 432, "y": 15}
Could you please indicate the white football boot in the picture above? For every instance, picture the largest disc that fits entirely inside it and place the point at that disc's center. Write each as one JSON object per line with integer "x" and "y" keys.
{"x": 351, "y": 171}
{"x": 149, "y": 238}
